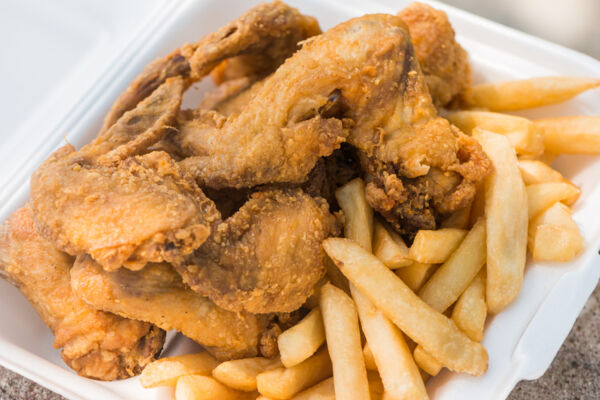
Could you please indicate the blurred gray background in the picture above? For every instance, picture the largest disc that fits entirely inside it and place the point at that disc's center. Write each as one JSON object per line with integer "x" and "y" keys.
{"x": 571, "y": 23}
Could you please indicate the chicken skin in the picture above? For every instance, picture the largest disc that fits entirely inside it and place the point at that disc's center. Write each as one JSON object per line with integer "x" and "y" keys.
{"x": 265, "y": 258}
{"x": 156, "y": 294}
{"x": 268, "y": 32}
{"x": 122, "y": 209}
{"x": 443, "y": 61}
{"x": 95, "y": 344}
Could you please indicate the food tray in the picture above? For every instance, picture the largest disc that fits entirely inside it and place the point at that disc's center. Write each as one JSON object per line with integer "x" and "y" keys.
{"x": 521, "y": 341}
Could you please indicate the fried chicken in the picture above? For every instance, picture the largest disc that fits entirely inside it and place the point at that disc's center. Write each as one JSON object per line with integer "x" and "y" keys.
{"x": 95, "y": 344}
{"x": 402, "y": 142}
{"x": 265, "y": 258}
{"x": 269, "y": 32}
{"x": 123, "y": 210}
{"x": 156, "y": 294}
{"x": 443, "y": 61}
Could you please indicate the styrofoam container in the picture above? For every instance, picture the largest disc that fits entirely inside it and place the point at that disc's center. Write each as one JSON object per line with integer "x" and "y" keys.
{"x": 102, "y": 46}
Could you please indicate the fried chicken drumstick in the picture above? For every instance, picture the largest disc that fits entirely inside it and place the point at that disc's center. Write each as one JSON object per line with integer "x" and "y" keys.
{"x": 95, "y": 344}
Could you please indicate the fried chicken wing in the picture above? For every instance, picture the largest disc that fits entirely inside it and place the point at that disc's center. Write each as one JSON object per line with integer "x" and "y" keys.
{"x": 95, "y": 344}
{"x": 416, "y": 164}
{"x": 443, "y": 61}
{"x": 267, "y": 257}
{"x": 123, "y": 210}
{"x": 268, "y": 32}
{"x": 156, "y": 294}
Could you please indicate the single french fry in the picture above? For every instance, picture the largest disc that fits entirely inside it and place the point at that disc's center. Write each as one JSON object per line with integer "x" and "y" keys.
{"x": 166, "y": 371}
{"x": 458, "y": 219}
{"x": 554, "y": 236}
{"x": 398, "y": 371}
{"x": 434, "y": 247}
{"x": 506, "y": 222}
{"x": 571, "y": 135}
{"x": 426, "y": 362}
{"x": 540, "y": 196}
{"x": 283, "y": 383}
{"x": 369, "y": 359}
{"x": 416, "y": 274}
{"x": 470, "y": 311}
{"x": 302, "y": 340}
{"x": 200, "y": 387}
{"x": 343, "y": 341}
{"x": 241, "y": 374}
{"x": 454, "y": 276}
{"x": 535, "y": 171}
{"x": 523, "y": 134}
{"x": 326, "y": 391}
{"x": 528, "y": 93}
{"x": 435, "y": 332}
{"x": 546, "y": 158}
{"x": 389, "y": 247}
{"x": 358, "y": 214}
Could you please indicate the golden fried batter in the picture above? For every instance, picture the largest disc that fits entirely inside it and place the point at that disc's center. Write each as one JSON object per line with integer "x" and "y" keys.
{"x": 95, "y": 344}
{"x": 156, "y": 294}
{"x": 443, "y": 61}
{"x": 270, "y": 30}
{"x": 122, "y": 210}
{"x": 267, "y": 257}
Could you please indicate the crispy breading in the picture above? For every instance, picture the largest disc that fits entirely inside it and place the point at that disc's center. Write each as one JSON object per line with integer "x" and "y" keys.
{"x": 95, "y": 344}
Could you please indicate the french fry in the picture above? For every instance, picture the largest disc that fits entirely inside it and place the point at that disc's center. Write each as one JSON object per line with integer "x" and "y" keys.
{"x": 540, "y": 196}
{"x": 470, "y": 311}
{"x": 283, "y": 383}
{"x": 335, "y": 276}
{"x": 535, "y": 171}
{"x": 369, "y": 359}
{"x": 398, "y": 371}
{"x": 506, "y": 222}
{"x": 326, "y": 391}
{"x": 554, "y": 236}
{"x": 458, "y": 219}
{"x": 241, "y": 374}
{"x": 200, "y": 387}
{"x": 478, "y": 205}
{"x": 389, "y": 247}
{"x": 426, "y": 362}
{"x": 166, "y": 371}
{"x": 358, "y": 214}
{"x": 454, "y": 276}
{"x": 435, "y": 332}
{"x": 571, "y": 135}
{"x": 523, "y": 134}
{"x": 528, "y": 93}
{"x": 302, "y": 340}
{"x": 546, "y": 158}
{"x": 434, "y": 247}
{"x": 416, "y": 274}
{"x": 343, "y": 341}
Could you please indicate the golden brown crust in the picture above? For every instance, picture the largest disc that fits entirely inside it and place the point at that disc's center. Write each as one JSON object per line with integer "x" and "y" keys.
{"x": 95, "y": 344}
{"x": 267, "y": 257}
{"x": 443, "y": 61}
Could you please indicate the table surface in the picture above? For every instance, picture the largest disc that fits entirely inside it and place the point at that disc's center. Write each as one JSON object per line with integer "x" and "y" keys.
{"x": 574, "y": 373}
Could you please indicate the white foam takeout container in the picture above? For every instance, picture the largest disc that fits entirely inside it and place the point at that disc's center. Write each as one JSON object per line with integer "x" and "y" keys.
{"x": 92, "y": 50}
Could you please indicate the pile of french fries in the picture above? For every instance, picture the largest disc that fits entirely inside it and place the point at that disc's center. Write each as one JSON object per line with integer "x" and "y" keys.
{"x": 390, "y": 316}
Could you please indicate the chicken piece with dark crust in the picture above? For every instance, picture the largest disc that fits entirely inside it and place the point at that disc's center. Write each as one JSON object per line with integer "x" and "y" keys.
{"x": 443, "y": 61}
{"x": 157, "y": 294}
{"x": 122, "y": 209}
{"x": 95, "y": 344}
{"x": 265, "y": 258}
